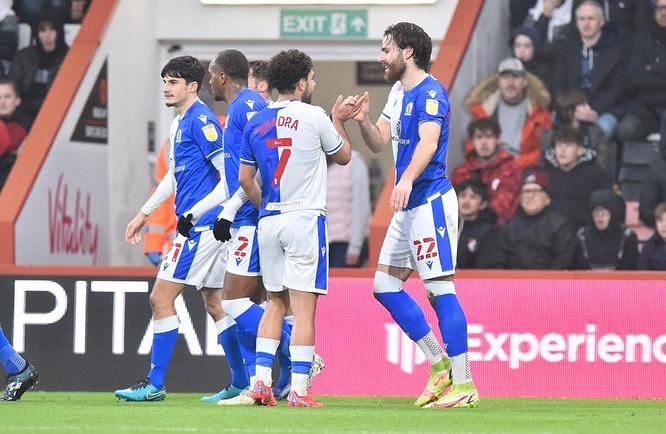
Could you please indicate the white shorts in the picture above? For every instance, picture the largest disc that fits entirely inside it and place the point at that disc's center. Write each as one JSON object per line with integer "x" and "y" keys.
{"x": 293, "y": 250}
{"x": 243, "y": 254}
{"x": 424, "y": 238}
{"x": 199, "y": 261}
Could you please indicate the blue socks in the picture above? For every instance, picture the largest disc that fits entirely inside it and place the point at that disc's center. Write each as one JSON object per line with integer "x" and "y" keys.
{"x": 163, "y": 344}
{"x": 10, "y": 359}
{"x": 452, "y": 323}
{"x": 230, "y": 341}
{"x": 406, "y": 312}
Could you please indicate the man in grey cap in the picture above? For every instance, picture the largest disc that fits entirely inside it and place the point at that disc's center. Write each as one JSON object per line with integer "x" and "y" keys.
{"x": 518, "y": 101}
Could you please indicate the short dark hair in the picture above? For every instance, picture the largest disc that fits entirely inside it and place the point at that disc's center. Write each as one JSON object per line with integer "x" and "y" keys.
{"x": 660, "y": 210}
{"x": 565, "y": 104}
{"x": 260, "y": 71}
{"x": 483, "y": 125}
{"x": 476, "y": 185}
{"x": 286, "y": 68}
{"x": 9, "y": 82}
{"x": 233, "y": 63}
{"x": 568, "y": 134}
{"x": 186, "y": 67}
{"x": 410, "y": 35}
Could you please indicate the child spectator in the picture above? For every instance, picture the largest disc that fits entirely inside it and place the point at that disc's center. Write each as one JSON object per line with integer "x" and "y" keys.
{"x": 476, "y": 221}
{"x": 34, "y": 68}
{"x": 494, "y": 166}
{"x": 574, "y": 175}
{"x": 653, "y": 255}
{"x": 607, "y": 244}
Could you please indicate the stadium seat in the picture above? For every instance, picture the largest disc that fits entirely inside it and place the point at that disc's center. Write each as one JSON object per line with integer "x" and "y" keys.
{"x": 632, "y": 221}
{"x": 25, "y": 33}
{"x": 639, "y": 153}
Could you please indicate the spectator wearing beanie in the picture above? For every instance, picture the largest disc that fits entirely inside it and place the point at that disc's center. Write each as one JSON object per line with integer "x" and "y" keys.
{"x": 526, "y": 46}
{"x": 536, "y": 237}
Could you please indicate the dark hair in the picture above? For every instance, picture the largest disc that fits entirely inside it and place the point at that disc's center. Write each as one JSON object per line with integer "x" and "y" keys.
{"x": 52, "y": 19}
{"x": 568, "y": 134}
{"x": 410, "y": 35}
{"x": 260, "y": 71}
{"x": 565, "y": 104}
{"x": 476, "y": 185}
{"x": 286, "y": 68}
{"x": 483, "y": 125}
{"x": 8, "y": 81}
{"x": 660, "y": 210}
{"x": 186, "y": 67}
{"x": 233, "y": 63}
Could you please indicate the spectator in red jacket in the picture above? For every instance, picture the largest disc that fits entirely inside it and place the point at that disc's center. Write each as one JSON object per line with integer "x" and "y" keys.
{"x": 518, "y": 101}
{"x": 488, "y": 162}
{"x": 14, "y": 125}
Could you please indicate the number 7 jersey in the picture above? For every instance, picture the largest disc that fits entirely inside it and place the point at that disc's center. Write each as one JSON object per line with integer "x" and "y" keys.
{"x": 285, "y": 142}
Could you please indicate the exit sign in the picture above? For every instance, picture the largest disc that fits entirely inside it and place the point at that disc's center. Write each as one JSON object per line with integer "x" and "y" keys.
{"x": 317, "y": 23}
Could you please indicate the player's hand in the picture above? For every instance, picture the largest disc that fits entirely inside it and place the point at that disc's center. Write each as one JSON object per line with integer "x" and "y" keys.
{"x": 184, "y": 225}
{"x": 346, "y": 108}
{"x": 400, "y": 195}
{"x": 154, "y": 257}
{"x": 133, "y": 230}
{"x": 222, "y": 230}
{"x": 364, "y": 107}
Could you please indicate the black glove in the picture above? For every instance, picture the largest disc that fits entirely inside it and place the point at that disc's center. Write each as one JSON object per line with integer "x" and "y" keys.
{"x": 222, "y": 230}
{"x": 184, "y": 225}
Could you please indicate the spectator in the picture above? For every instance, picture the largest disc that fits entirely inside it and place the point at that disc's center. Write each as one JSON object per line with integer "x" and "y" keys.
{"x": 536, "y": 237}
{"x": 518, "y": 101}
{"x": 607, "y": 244}
{"x": 257, "y": 79}
{"x": 8, "y": 35}
{"x": 476, "y": 221}
{"x": 348, "y": 212}
{"x": 14, "y": 126}
{"x": 525, "y": 45}
{"x": 569, "y": 111}
{"x": 573, "y": 175}
{"x": 494, "y": 166}
{"x": 592, "y": 63}
{"x": 551, "y": 18}
{"x": 161, "y": 224}
{"x": 74, "y": 10}
{"x": 34, "y": 68}
{"x": 628, "y": 17}
{"x": 653, "y": 255}
{"x": 653, "y": 189}
{"x": 647, "y": 74}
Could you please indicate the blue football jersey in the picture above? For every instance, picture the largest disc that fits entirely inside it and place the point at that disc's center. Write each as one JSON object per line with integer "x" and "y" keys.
{"x": 196, "y": 137}
{"x": 406, "y": 111}
{"x": 246, "y": 104}
{"x": 287, "y": 142}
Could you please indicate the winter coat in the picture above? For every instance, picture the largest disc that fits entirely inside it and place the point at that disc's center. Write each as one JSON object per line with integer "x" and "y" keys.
{"x": 483, "y": 100}
{"x": 501, "y": 175}
{"x": 545, "y": 241}
{"x": 473, "y": 237}
{"x": 653, "y": 255}
{"x": 607, "y": 75}
{"x": 647, "y": 67}
{"x": 570, "y": 191}
{"x": 614, "y": 248}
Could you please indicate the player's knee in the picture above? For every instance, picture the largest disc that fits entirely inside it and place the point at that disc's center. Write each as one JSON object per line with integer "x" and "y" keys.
{"x": 384, "y": 282}
{"x": 435, "y": 288}
{"x": 235, "y": 308}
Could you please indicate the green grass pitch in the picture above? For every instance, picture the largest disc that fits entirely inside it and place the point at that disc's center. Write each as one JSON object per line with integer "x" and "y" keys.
{"x": 74, "y": 412}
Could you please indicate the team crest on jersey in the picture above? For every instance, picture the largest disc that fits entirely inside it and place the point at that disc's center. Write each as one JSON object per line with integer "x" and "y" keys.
{"x": 203, "y": 118}
{"x": 210, "y": 132}
{"x": 179, "y": 136}
{"x": 432, "y": 93}
{"x": 250, "y": 104}
{"x": 409, "y": 108}
{"x": 432, "y": 106}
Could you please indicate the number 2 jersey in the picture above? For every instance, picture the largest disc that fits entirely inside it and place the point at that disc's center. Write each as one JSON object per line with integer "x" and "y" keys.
{"x": 285, "y": 142}
{"x": 406, "y": 111}
{"x": 196, "y": 137}
{"x": 246, "y": 104}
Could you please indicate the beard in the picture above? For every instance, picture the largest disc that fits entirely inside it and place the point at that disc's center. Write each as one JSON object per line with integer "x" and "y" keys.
{"x": 307, "y": 98}
{"x": 395, "y": 71}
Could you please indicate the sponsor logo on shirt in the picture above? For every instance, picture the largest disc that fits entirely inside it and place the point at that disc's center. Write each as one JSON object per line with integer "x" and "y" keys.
{"x": 408, "y": 109}
{"x": 210, "y": 132}
{"x": 432, "y": 93}
{"x": 432, "y": 106}
{"x": 250, "y": 104}
{"x": 203, "y": 118}
{"x": 178, "y": 168}
{"x": 179, "y": 135}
